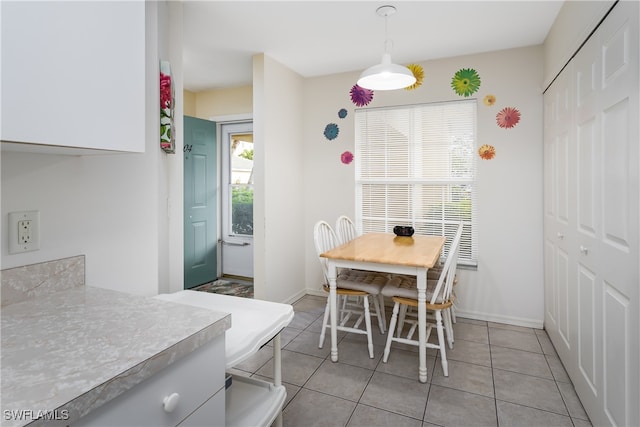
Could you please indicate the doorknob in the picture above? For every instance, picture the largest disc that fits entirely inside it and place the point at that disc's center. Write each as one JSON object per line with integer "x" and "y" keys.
{"x": 584, "y": 249}
{"x": 560, "y": 236}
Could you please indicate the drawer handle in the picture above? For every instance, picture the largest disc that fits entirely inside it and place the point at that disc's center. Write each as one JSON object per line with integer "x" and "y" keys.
{"x": 170, "y": 402}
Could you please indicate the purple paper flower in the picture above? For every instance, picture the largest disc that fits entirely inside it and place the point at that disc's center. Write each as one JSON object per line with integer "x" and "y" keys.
{"x": 360, "y": 96}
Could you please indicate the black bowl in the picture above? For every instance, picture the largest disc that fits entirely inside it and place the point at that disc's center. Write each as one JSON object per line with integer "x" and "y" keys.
{"x": 404, "y": 231}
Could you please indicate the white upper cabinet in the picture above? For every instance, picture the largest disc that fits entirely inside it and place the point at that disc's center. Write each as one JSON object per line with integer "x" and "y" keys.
{"x": 73, "y": 74}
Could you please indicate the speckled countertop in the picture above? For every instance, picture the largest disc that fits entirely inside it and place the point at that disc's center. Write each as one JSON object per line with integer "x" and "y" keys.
{"x": 71, "y": 351}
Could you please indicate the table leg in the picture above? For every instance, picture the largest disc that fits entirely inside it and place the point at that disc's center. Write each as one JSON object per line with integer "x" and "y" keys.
{"x": 333, "y": 309}
{"x": 422, "y": 324}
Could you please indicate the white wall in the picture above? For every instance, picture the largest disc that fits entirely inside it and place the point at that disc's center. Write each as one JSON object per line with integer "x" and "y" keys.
{"x": 112, "y": 208}
{"x": 508, "y": 284}
{"x": 575, "y": 21}
{"x": 174, "y": 280}
{"x": 279, "y": 227}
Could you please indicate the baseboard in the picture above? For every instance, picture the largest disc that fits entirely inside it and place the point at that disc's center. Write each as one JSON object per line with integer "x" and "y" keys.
{"x": 497, "y": 318}
{"x": 295, "y": 297}
{"x": 475, "y": 315}
{"x": 316, "y": 292}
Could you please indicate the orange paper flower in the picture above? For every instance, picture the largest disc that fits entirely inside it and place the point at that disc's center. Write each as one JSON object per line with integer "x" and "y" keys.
{"x": 487, "y": 152}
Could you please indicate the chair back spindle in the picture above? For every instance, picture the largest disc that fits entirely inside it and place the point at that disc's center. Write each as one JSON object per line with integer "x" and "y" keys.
{"x": 345, "y": 229}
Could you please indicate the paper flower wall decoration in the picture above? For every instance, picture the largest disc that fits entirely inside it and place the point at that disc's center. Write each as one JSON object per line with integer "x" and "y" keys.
{"x": 346, "y": 157}
{"x": 342, "y": 113}
{"x": 167, "y": 106}
{"x": 508, "y": 117}
{"x": 360, "y": 96}
{"x": 465, "y": 82}
{"x": 487, "y": 152}
{"x": 418, "y": 73}
{"x": 489, "y": 100}
{"x": 331, "y": 131}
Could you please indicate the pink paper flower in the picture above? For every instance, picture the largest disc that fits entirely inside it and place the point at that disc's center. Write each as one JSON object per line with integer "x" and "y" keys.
{"x": 346, "y": 157}
{"x": 165, "y": 91}
{"x": 508, "y": 117}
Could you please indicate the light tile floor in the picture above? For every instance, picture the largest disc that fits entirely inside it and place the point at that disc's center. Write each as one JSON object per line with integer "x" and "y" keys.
{"x": 499, "y": 375}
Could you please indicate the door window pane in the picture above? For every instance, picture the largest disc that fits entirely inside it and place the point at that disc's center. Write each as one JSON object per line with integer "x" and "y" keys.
{"x": 241, "y": 185}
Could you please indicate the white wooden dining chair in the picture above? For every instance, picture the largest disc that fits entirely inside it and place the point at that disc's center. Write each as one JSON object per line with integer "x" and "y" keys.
{"x": 409, "y": 311}
{"x": 404, "y": 292}
{"x": 345, "y": 229}
{"x": 349, "y": 283}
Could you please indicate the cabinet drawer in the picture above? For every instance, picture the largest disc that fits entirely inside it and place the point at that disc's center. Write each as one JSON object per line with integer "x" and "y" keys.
{"x": 195, "y": 377}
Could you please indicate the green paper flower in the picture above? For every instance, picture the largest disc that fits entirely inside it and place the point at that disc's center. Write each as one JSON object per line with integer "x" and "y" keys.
{"x": 465, "y": 82}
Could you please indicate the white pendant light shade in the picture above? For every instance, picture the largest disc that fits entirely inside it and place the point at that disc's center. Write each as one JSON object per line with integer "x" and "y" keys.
{"x": 386, "y": 76}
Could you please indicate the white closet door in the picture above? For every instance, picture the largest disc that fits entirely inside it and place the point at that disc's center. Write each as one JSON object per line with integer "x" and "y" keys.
{"x": 592, "y": 220}
{"x": 558, "y": 218}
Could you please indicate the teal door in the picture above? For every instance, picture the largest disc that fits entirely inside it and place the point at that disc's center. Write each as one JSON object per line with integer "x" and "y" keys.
{"x": 200, "y": 222}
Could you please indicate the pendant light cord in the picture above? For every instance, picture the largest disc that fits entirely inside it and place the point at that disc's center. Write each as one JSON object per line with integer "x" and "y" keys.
{"x": 388, "y": 44}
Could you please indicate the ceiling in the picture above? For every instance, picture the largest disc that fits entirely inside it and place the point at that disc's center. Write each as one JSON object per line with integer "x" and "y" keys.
{"x": 315, "y": 38}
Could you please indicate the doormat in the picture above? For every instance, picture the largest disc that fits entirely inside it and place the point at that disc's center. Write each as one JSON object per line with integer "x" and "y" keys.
{"x": 227, "y": 287}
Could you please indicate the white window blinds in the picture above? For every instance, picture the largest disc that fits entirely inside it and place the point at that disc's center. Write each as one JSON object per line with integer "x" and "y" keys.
{"x": 416, "y": 165}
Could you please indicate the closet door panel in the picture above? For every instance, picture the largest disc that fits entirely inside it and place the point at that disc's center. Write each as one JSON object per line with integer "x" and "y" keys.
{"x": 556, "y": 208}
{"x": 586, "y": 69}
{"x": 550, "y": 297}
{"x": 562, "y": 280}
{"x": 617, "y": 369}
{"x": 619, "y": 237}
{"x": 588, "y": 328}
{"x": 587, "y": 146}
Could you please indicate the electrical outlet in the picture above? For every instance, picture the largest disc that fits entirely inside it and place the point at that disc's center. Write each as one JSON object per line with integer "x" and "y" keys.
{"x": 24, "y": 231}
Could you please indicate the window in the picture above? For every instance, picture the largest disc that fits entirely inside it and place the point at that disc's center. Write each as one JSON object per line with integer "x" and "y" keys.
{"x": 416, "y": 165}
{"x": 237, "y": 179}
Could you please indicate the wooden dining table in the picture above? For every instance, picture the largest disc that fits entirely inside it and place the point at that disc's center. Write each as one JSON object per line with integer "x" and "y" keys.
{"x": 388, "y": 253}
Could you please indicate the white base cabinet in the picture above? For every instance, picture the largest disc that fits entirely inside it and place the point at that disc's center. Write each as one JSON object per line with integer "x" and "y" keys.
{"x": 198, "y": 381}
{"x": 248, "y": 401}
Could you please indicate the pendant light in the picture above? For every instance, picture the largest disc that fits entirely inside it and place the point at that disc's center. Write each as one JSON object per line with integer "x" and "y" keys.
{"x": 386, "y": 75}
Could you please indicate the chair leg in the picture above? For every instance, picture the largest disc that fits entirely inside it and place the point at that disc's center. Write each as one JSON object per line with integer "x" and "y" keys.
{"x": 383, "y": 313}
{"x": 448, "y": 326}
{"x": 376, "y": 305}
{"x": 342, "y": 300}
{"x": 324, "y": 324}
{"x": 441, "y": 344}
{"x": 453, "y": 313}
{"x": 392, "y": 325}
{"x": 403, "y": 313}
{"x": 367, "y": 321}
